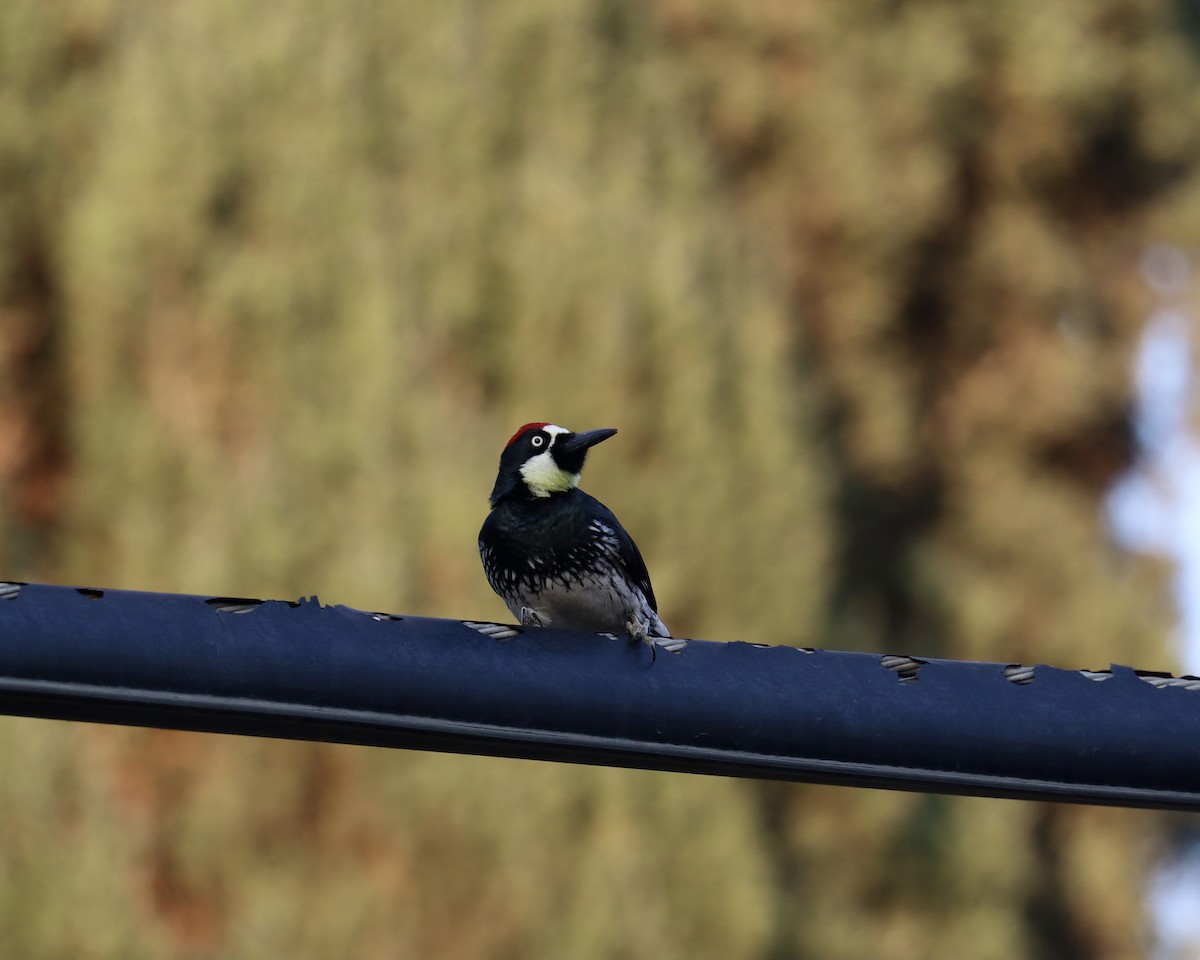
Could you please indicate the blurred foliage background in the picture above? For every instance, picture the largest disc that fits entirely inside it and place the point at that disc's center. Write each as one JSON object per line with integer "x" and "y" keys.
{"x": 855, "y": 281}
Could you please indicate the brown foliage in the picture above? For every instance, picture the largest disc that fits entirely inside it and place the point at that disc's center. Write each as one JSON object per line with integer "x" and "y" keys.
{"x": 856, "y": 284}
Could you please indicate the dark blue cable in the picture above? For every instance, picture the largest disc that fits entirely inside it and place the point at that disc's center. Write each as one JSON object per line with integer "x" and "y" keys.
{"x": 305, "y": 671}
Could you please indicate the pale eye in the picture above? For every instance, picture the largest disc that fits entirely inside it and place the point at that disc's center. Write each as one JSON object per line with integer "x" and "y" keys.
{"x": 538, "y": 440}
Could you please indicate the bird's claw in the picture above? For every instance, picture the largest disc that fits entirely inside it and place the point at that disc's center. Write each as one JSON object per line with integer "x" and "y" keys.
{"x": 531, "y": 618}
{"x": 639, "y": 632}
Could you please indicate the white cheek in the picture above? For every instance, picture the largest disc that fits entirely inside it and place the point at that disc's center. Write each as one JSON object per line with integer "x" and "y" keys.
{"x": 543, "y": 476}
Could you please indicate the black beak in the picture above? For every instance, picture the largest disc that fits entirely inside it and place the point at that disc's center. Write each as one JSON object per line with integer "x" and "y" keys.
{"x": 578, "y": 443}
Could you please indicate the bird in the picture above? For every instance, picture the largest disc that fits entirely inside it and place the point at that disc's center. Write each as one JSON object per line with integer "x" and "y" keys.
{"x": 557, "y": 556}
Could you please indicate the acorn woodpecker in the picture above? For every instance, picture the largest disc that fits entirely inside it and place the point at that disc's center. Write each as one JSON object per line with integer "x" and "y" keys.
{"x": 556, "y": 556}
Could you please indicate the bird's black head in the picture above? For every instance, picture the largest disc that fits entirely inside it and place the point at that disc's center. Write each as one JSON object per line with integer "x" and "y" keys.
{"x": 541, "y": 460}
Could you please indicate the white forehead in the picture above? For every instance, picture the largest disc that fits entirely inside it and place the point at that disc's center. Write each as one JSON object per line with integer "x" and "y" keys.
{"x": 554, "y": 432}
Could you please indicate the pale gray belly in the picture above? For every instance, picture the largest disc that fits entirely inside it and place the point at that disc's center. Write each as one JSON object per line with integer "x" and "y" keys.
{"x": 602, "y": 605}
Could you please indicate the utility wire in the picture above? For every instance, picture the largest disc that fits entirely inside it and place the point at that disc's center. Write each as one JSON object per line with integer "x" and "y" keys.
{"x": 305, "y": 671}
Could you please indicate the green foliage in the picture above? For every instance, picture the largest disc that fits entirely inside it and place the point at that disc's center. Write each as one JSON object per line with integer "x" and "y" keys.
{"x": 856, "y": 285}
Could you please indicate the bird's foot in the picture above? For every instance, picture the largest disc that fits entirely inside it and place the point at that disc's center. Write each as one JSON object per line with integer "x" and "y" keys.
{"x": 639, "y": 632}
{"x": 531, "y": 618}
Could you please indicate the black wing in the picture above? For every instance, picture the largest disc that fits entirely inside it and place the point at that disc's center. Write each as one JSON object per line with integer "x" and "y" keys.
{"x": 624, "y": 550}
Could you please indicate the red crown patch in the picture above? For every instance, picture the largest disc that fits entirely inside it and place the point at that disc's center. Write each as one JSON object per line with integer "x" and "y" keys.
{"x": 524, "y": 430}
